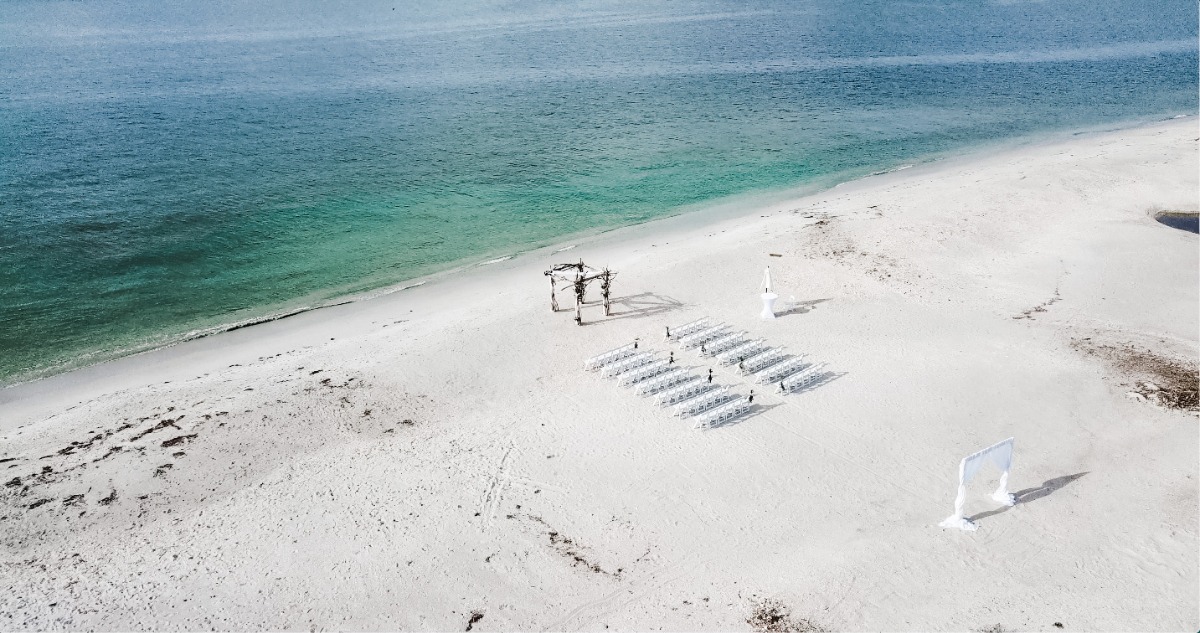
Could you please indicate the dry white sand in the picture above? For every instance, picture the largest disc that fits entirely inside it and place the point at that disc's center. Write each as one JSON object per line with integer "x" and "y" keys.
{"x": 404, "y": 462}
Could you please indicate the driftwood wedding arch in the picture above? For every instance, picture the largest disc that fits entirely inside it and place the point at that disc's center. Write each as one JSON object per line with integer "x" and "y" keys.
{"x": 577, "y": 277}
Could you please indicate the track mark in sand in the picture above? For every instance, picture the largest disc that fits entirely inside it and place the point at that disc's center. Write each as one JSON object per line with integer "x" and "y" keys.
{"x": 1041, "y": 307}
{"x": 629, "y": 592}
{"x": 538, "y": 486}
{"x": 491, "y": 496}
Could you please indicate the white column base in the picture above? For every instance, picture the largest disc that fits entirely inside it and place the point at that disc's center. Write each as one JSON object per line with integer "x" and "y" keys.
{"x": 958, "y": 522}
{"x": 768, "y": 311}
{"x": 1003, "y": 498}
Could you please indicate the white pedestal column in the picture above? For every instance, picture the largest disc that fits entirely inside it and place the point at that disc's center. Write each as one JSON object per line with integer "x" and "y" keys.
{"x": 768, "y": 299}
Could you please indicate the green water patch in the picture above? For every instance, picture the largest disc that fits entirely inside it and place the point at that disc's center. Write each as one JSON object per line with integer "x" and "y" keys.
{"x": 164, "y": 177}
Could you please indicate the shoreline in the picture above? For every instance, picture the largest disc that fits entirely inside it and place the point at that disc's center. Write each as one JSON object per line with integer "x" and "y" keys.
{"x": 711, "y": 211}
{"x": 326, "y": 471}
{"x": 686, "y": 222}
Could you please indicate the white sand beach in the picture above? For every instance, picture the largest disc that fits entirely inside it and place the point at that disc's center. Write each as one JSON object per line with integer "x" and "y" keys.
{"x": 437, "y": 458}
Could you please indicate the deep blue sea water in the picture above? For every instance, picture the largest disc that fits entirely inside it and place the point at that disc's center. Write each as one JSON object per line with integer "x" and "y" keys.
{"x": 168, "y": 168}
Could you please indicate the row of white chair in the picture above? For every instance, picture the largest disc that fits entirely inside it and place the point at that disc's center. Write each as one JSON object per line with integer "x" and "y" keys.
{"x": 703, "y": 336}
{"x": 741, "y": 352}
{"x": 700, "y": 404}
{"x": 645, "y": 372}
{"x": 761, "y": 360}
{"x": 800, "y": 380}
{"x": 723, "y": 413}
{"x": 611, "y": 356}
{"x": 683, "y": 391}
{"x": 626, "y": 364}
{"x": 722, "y": 343}
{"x": 688, "y": 328}
{"x": 665, "y": 380}
{"x": 779, "y": 371}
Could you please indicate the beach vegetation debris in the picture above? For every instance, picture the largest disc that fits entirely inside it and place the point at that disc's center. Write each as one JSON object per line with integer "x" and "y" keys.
{"x": 168, "y": 422}
{"x": 112, "y": 450}
{"x": 569, "y": 549}
{"x": 475, "y": 617}
{"x": 772, "y": 616}
{"x": 1041, "y": 307}
{"x": 1168, "y": 382}
{"x": 109, "y": 499}
{"x": 175, "y": 441}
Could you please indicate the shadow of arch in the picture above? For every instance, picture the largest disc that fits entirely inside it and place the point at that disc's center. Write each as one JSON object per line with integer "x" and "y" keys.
{"x": 643, "y": 305}
{"x": 1047, "y": 487}
{"x": 1032, "y": 494}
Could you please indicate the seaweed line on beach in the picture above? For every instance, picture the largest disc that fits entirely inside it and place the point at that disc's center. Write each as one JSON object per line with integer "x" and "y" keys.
{"x": 1168, "y": 382}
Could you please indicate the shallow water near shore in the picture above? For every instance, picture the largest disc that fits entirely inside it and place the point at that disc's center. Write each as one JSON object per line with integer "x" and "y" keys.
{"x": 172, "y": 169}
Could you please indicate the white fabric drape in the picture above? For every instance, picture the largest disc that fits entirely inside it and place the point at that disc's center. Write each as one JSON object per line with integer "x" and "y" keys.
{"x": 1000, "y": 454}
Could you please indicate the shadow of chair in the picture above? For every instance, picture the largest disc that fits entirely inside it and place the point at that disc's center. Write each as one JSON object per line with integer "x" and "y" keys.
{"x": 824, "y": 379}
{"x": 755, "y": 409}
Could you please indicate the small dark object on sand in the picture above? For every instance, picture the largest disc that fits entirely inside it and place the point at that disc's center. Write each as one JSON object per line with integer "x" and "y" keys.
{"x": 178, "y": 440}
{"x": 772, "y": 616}
{"x": 475, "y": 617}
{"x": 1181, "y": 220}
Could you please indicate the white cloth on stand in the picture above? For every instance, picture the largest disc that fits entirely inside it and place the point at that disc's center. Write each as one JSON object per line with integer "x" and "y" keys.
{"x": 1000, "y": 454}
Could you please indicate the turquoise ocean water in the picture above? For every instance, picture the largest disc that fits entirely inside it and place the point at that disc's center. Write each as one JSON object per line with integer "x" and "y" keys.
{"x": 169, "y": 168}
